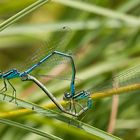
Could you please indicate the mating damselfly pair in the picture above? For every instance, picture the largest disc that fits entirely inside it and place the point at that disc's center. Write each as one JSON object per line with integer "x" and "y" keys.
{"x": 49, "y": 51}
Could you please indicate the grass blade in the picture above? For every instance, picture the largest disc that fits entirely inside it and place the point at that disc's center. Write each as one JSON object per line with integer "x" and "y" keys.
{"x": 22, "y": 13}
{"x": 74, "y": 25}
{"x": 98, "y": 134}
{"x": 101, "y": 11}
{"x": 29, "y": 129}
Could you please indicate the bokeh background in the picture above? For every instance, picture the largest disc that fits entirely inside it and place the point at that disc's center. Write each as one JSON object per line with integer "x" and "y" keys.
{"x": 101, "y": 46}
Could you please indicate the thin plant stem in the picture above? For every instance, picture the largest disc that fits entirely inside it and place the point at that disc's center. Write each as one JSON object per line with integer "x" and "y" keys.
{"x": 22, "y": 13}
{"x": 94, "y": 96}
{"x": 101, "y": 11}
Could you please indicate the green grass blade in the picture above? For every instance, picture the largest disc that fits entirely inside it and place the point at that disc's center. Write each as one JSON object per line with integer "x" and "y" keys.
{"x": 101, "y": 11}
{"x": 29, "y": 129}
{"x": 73, "y": 25}
{"x": 22, "y": 13}
{"x": 129, "y": 5}
{"x": 98, "y": 134}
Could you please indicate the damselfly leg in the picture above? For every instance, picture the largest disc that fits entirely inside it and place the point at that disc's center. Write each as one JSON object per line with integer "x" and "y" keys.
{"x": 13, "y": 93}
{"x": 79, "y": 103}
{"x": 72, "y": 107}
{"x": 83, "y": 108}
{"x": 4, "y": 89}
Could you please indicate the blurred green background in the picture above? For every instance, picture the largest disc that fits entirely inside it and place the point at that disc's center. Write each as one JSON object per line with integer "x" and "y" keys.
{"x": 102, "y": 46}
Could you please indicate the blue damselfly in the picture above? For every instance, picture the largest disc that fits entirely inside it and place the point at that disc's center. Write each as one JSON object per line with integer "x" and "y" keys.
{"x": 35, "y": 62}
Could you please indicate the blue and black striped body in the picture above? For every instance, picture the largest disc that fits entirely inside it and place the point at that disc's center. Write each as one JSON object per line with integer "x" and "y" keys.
{"x": 13, "y": 73}
{"x": 80, "y": 96}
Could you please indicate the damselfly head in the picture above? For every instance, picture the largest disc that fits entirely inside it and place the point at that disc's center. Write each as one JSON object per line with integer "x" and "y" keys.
{"x": 67, "y": 96}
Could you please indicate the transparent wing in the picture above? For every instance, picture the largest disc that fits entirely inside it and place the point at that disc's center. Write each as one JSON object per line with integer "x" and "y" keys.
{"x": 56, "y": 42}
{"x": 127, "y": 77}
{"x": 56, "y": 65}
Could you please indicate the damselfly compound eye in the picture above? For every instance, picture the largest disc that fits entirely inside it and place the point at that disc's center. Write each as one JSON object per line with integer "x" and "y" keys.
{"x": 66, "y": 96}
